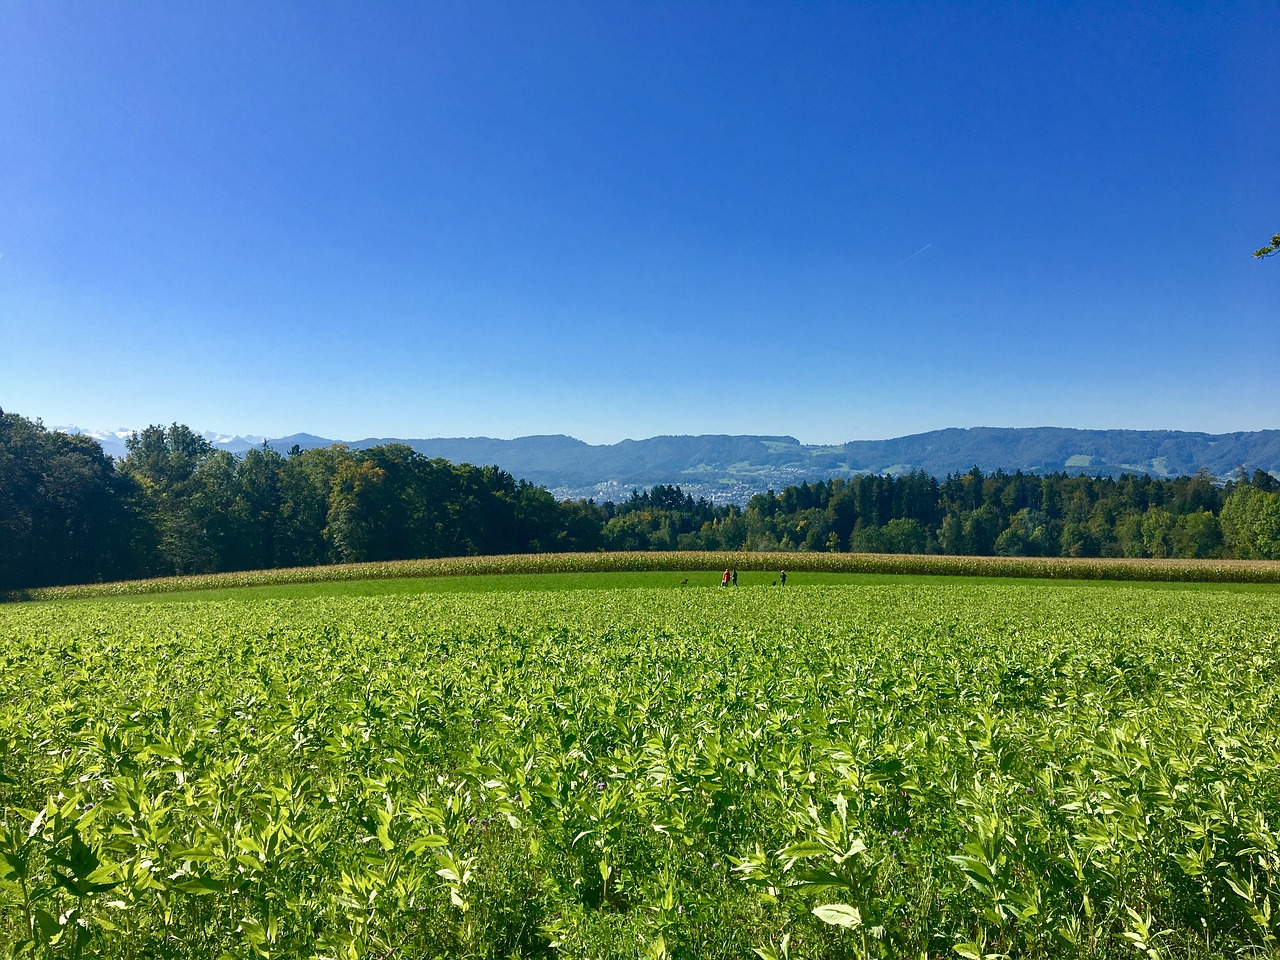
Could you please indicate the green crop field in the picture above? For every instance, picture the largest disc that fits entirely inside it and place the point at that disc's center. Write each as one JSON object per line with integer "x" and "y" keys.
{"x": 653, "y": 565}
{"x": 916, "y": 768}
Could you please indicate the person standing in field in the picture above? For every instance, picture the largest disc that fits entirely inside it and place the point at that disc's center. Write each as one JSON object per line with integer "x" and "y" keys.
{"x": 724, "y": 581}
{"x": 782, "y": 578}
{"x": 734, "y": 578}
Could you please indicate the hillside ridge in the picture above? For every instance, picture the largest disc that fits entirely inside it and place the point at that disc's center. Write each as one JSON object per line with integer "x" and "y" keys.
{"x": 723, "y": 466}
{"x": 726, "y": 467}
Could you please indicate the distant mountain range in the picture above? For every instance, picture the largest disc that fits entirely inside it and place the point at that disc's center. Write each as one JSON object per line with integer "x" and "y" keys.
{"x": 727, "y": 468}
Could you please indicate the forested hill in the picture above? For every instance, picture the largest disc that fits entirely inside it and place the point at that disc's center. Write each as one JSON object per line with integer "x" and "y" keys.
{"x": 735, "y": 467}
{"x": 175, "y": 504}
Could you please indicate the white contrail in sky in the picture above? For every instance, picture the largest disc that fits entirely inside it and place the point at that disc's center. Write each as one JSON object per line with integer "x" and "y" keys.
{"x": 914, "y": 255}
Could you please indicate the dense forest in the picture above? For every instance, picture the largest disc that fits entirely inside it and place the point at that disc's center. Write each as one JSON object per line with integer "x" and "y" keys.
{"x": 174, "y": 504}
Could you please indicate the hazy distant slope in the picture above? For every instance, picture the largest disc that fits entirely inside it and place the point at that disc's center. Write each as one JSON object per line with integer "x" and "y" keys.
{"x": 1047, "y": 449}
{"x": 559, "y": 461}
{"x": 537, "y": 456}
{"x": 735, "y": 466}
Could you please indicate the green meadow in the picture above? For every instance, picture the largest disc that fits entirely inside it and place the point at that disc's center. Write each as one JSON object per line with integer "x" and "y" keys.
{"x": 667, "y": 568}
{"x": 620, "y": 580}
{"x": 619, "y": 764}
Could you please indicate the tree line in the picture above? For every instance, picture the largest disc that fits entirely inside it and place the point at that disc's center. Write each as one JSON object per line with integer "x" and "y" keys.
{"x": 176, "y": 505}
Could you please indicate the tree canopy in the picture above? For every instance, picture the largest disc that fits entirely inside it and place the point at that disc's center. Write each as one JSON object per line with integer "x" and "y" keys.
{"x": 175, "y": 504}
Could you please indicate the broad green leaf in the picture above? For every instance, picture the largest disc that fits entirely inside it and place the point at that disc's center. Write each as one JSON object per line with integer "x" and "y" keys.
{"x": 201, "y": 886}
{"x": 839, "y": 914}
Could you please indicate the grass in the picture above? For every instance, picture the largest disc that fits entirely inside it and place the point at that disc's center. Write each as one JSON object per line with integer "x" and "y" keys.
{"x": 659, "y": 568}
{"x": 611, "y": 580}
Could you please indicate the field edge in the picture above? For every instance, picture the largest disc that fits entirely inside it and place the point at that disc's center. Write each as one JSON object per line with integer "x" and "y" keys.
{"x": 1040, "y": 568}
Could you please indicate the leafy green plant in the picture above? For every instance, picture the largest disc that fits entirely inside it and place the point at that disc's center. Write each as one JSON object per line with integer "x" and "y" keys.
{"x": 959, "y": 768}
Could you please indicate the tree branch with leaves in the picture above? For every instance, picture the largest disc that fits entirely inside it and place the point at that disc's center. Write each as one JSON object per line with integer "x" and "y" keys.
{"x": 1273, "y": 247}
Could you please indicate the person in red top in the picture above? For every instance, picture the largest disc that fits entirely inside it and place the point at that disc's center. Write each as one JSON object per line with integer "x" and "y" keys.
{"x": 724, "y": 581}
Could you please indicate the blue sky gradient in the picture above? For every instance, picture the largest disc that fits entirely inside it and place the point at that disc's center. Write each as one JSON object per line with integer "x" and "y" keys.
{"x": 831, "y": 220}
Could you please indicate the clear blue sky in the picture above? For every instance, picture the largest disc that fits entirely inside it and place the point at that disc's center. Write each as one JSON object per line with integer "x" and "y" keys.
{"x": 832, "y": 220}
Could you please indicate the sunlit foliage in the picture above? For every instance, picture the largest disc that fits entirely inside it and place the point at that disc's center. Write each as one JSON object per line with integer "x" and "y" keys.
{"x": 971, "y": 769}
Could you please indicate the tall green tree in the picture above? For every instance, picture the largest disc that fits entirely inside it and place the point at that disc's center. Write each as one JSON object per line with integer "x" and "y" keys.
{"x": 83, "y": 530}
{"x": 358, "y": 512}
{"x": 164, "y": 464}
{"x": 1251, "y": 523}
{"x": 304, "y": 484}
{"x": 62, "y": 509}
{"x": 19, "y": 485}
{"x": 259, "y": 503}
